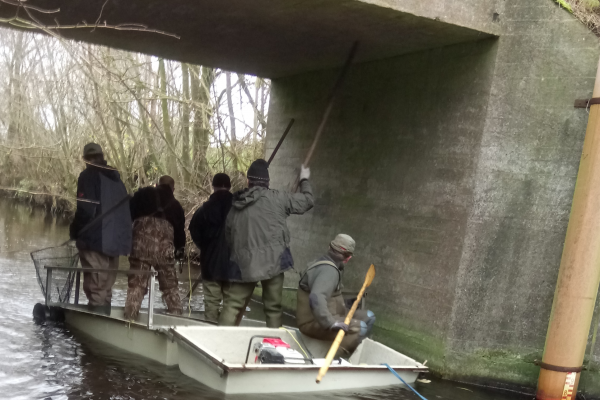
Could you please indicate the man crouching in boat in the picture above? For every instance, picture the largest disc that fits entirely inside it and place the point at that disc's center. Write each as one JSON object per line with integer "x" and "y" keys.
{"x": 153, "y": 246}
{"x": 321, "y": 308}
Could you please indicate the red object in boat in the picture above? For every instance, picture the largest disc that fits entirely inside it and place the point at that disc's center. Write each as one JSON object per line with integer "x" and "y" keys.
{"x": 276, "y": 343}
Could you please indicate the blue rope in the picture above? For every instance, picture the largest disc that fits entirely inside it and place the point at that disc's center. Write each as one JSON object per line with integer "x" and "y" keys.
{"x": 399, "y": 377}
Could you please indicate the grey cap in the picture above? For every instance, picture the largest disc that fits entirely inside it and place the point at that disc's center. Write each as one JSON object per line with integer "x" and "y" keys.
{"x": 92, "y": 149}
{"x": 343, "y": 243}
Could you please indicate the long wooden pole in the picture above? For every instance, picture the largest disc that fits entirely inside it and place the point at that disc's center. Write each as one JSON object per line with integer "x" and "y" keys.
{"x": 340, "y": 335}
{"x": 330, "y": 101}
{"x": 329, "y": 107}
{"x": 287, "y": 130}
{"x": 578, "y": 276}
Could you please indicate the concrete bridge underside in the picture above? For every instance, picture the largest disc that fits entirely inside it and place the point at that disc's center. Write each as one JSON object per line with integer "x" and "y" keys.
{"x": 451, "y": 154}
{"x": 268, "y": 38}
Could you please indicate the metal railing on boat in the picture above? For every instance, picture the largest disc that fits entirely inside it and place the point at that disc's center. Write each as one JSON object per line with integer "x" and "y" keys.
{"x": 152, "y": 273}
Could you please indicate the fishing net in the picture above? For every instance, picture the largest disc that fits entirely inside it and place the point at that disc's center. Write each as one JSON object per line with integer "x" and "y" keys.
{"x": 62, "y": 281}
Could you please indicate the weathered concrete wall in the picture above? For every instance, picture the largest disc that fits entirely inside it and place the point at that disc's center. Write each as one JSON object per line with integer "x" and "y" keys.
{"x": 395, "y": 170}
{"x": 454, "y": 169}
{"x": 524, "y": 184}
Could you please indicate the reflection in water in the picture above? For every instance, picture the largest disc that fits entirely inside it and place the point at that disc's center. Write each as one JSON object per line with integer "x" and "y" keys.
{"x": 48, "y": 361}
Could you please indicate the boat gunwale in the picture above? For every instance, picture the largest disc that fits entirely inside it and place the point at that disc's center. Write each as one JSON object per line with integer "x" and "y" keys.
{"x": 291, "y": 367}
{"x": 156, "y": 327}
{"x": 287, "y": 367}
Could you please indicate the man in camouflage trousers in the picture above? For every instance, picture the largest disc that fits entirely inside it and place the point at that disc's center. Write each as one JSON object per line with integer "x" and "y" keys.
{"x": 152, "y": 247}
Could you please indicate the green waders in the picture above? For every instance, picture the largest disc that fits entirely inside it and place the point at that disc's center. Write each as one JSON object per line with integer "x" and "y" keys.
{"x": 213, "y": 295}
{"x": 236, "y": 294}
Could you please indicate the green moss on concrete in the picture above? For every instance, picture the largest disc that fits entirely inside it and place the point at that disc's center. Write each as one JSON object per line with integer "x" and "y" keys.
{"x": 589, "y": 383}
{"x": 488, "y": 366}
{"x": 512, "y": 367}
{"x": 413, "y": 343}
{"x": 565, "y": 5}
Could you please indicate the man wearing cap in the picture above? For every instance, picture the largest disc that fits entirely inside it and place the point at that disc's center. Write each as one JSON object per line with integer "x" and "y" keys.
{"x": 99, "y": 189}
{"x": 259, "y": 241}
{"x": 321, "y": 309}
{"x": 207, "y": 229}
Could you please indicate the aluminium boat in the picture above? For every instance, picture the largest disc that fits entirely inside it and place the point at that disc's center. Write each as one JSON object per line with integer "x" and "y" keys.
{"x": 225, "y": 359}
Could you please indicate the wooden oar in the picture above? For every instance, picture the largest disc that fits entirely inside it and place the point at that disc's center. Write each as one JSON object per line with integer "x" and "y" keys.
{"x": 340, "y": 335}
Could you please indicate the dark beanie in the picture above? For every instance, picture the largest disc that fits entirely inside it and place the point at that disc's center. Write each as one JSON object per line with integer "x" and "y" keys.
{"x": 221, "y": 180}
{"x": 259, "y": 171}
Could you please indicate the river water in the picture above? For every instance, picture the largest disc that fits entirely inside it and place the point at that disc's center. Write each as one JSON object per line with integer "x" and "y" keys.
{"x": 48, "y": 361}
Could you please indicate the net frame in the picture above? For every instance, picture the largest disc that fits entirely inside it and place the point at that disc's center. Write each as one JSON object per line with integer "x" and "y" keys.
{"x": 57, "y": 256}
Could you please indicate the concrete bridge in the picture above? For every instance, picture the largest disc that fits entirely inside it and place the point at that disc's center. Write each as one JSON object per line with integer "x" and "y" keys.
{"x": 451, "y": 154}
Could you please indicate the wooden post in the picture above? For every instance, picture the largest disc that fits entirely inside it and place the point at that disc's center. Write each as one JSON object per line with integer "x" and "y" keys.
{"x": 579, "y": 274}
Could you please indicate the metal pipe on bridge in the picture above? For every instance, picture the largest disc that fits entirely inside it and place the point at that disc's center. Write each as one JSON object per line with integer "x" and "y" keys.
{"x": 578, "y": 276}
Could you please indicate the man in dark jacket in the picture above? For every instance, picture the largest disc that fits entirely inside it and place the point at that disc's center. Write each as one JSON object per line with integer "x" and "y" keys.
{"x": 153, "y": 246}
{"x": 207, "y": 229}
{"x": 259, "y": 241}
{"x": 173, "y": 212}
{"x": 99, "y": 189}
{"x": 321, "y": 309}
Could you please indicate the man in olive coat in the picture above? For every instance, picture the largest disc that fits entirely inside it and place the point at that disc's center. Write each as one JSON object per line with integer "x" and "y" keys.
{"x": 321, "y": 309}
{"x": 259, "y": 243}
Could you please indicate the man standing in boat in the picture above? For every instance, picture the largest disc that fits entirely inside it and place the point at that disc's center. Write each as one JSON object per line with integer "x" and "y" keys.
{"x": 321, "y": 309}
{"x": 99, "y": 189}
{"x": 259, "y": 241}
{"x": 153, "y": 246}
{"x": 207, "y": 229}
{"x": 173, "y": 213}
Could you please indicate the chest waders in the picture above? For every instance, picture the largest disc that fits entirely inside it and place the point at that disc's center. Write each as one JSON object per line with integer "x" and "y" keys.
{"x": 309, "y": 326}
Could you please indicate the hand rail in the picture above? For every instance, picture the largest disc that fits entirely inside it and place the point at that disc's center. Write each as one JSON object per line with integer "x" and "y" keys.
{"x": 152, "y": 273}
{"x": 92, "y": 270}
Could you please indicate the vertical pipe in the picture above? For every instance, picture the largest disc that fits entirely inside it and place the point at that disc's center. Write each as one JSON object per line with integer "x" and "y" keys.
{"x": 151, "y": 298}
{"x": 579, "y": 273}
{"x": 48, "y": 284}
{"x": 77, "y": 282}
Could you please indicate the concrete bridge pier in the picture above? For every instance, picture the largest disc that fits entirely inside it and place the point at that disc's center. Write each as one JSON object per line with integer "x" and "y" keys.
{"x": 454, "y": 168}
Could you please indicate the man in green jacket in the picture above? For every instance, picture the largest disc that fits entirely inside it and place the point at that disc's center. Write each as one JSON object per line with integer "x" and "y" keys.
{"x": 321, "y": 309}
{"x": 259, "y": 243}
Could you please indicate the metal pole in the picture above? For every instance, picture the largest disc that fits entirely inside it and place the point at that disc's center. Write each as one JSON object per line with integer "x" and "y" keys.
{"x": 578, "y": 276}
{"x": 48, "y": 283}
{"x": 151, "y": 298}
{"x": 77, "y": 279}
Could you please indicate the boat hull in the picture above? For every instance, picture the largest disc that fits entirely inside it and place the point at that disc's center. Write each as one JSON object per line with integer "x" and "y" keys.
{"x": 151, "y": 344}
{"x": 221, "y": 358}
{"x": 280, "y": 380}
{"x": 156, "y": 344}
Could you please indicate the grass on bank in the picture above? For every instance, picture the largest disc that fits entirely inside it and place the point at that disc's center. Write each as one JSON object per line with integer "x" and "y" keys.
{"x": 587, "y": 11}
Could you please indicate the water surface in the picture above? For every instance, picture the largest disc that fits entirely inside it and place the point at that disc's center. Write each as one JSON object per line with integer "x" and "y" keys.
{"x": 48, "y": 361}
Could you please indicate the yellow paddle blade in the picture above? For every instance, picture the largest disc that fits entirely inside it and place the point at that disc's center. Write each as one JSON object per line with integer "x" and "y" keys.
{"x": 370, "y": 275}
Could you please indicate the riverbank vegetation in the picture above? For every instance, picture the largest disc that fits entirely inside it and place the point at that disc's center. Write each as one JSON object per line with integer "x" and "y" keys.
{"x": 587, "y": 11}
{"x": 151, "y": 116}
